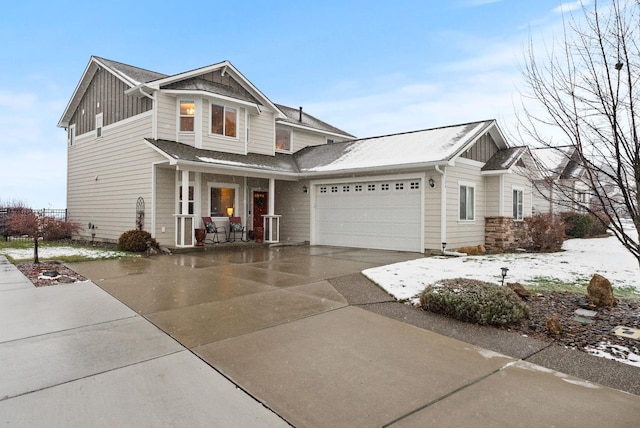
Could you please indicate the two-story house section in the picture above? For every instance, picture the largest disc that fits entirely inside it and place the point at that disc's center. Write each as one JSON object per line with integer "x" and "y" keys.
{"x": 123, "y": 124}
{"x": 168, "y": 150}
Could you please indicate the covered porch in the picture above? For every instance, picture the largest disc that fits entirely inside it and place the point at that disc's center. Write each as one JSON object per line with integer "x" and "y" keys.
{"x": 195, "y": 185}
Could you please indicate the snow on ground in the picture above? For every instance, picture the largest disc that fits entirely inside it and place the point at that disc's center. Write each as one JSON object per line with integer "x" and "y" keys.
{"x": 53, "y": 252}
{"x": 578, "y": 262}
{"x": 580, "y": 259}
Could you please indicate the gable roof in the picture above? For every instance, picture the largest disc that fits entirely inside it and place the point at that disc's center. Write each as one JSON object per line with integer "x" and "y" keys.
{"x": 295, "y": 117}
{"x": 558, "y": 162}
{"x": 436, "y": 146}
{"x": 504, "y": 159}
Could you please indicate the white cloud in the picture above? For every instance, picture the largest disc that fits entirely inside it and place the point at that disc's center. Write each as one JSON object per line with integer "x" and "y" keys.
{"x": 570, "y": 6}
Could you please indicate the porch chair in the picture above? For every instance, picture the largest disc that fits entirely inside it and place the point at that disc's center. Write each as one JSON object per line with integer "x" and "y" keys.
{"x": 214, "y": 230}
{"x": 235, "y": 226}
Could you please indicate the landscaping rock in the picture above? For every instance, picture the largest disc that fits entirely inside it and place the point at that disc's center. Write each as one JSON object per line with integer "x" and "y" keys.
{"x": 600, "y": 291}
{"x": 553, "y": 325}
{"x": 519, "y": 290}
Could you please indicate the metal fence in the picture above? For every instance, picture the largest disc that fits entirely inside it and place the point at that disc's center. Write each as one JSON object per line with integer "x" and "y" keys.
{"x": 58, "y": 214}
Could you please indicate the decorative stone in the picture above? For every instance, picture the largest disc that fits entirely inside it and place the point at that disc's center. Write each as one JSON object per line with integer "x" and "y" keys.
{"x": 600, "y": 292}
{"x": 51, "y": 273}
{"x": 628, "y": 332}
{"x": 583, "y": 320}
{"x": 519, "y": 290}
{"x": 553, "y": 325}
{"x": 585, "y": 313}
{"x": 66, "y": 280}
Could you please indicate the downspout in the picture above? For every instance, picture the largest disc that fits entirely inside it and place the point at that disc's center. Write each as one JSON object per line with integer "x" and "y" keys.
{"x": 443, "y": 213}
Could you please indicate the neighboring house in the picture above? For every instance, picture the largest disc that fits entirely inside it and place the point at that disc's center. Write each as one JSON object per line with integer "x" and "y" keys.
{"x": 172, "y": 149}
{"x": 559, "y": 185}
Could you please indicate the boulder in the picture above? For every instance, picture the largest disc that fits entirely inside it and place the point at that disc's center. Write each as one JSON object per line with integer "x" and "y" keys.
{"x": 519, "y": 290}
{"x": 553, "y": 325}
{"x": 600, "y": 291}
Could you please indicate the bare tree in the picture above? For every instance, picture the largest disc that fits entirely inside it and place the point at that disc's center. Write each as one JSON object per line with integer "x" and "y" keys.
{"x": 586, "y": 87}
{"x": 22, "y": 220}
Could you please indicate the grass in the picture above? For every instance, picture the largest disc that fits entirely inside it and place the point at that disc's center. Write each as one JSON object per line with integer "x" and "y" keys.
{"x": 541, "y": 284}
{"x": 97, "y": 253}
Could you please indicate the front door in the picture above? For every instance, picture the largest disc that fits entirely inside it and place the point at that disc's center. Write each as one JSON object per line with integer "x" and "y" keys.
{"x": 260, "y": 207}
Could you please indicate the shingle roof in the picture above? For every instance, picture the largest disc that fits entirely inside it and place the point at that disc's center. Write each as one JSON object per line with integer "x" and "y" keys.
{"x": 558, "y": 162}
{"x": 135, "y": 75}
{"x": 293, "y": 117}
{"x": 280, "y": 163}
{"x": 391, "y": 152}
{"x": 196, "y": 83}
{"x": 504, "y": 159}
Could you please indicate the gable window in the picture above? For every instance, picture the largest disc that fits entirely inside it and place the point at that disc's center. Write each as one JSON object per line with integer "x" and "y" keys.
{"x": 283, "y": 139}
{"x": 223, "y": 120}
{"x": 187, "y": 116}
{"x": 98, "y": 125}
{"x": 518, "y": 205}
{"x": 467, "y": 202}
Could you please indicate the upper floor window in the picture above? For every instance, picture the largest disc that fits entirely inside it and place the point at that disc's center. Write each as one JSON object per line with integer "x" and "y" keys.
{"x": 518, "y": 205}
{"x": 224, "y": 121}
{"x": 187, "y": 115}
{"x": 72, "y": 134}
{"x": 98, "y": 125}
{"x": 467, "y": 202}
{"x": 283, "y": 139}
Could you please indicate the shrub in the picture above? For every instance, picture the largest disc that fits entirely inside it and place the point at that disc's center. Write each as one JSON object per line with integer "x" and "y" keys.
{"x": 135, "y": 240}
{"x": 546, "y": 232}
{"x": 54, "y": 229}
{"x": 600, "y": 223}
{"x": 473, "y": 301}
{"x": 578, "y": 225}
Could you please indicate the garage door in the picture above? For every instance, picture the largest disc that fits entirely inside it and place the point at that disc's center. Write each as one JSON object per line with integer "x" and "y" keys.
{"x": 384, "y": 214}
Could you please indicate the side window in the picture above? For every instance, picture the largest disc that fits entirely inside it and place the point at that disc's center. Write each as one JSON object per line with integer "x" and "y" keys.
{"x": 72, "y": 134}
{"x": 187, "y": 116}
{"x": 98, "y": 125}
{"x": 224, "y": 121}
{"x": 518, "y": 205}
{"x": 283, "y": 139}
{"x": 467, "y": 202}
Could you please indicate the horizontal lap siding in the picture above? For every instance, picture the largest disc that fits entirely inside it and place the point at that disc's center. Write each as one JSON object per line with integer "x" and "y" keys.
{"x": 262, "y": 133}
{"x": 167, "y": 114}
{"x": 493, "y": 196}
{"x": 432, "y": 211}
{"x": 520, "y": 181}
{"x": 219, "y": 143}
{"x": 465, "y": 233}
{"x": 165, "y": 205}
{"x": 302, "y": 139}
{"x": 121, "y": 161}
{"x": 293, "y": 204}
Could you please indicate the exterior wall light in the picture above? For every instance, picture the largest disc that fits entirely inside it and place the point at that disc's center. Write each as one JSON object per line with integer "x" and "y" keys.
{"x": 304, "y": 189}
{"x": 432, "y": 183}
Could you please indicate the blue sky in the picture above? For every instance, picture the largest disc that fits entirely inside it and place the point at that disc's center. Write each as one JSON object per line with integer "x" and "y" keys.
{"x": 370, "y": 68}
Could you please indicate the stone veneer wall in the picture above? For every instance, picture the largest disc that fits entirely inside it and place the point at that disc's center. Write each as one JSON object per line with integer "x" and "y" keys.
{"x": 504, "y": 234}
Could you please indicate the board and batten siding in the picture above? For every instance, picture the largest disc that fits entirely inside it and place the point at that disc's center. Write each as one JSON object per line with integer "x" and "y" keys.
{"x": 107, "y": 175}
{"x": 105, "y": 94}
{"x": 464, "y": 233}
{"x": 294, "y": 206}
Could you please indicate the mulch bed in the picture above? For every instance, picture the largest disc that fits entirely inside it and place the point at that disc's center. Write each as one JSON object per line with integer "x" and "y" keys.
{"x": 36, "y": 273}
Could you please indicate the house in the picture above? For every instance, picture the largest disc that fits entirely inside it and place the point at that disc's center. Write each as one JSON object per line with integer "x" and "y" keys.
{"x": 559, "y": 185}
{"x": 167, "y": 150}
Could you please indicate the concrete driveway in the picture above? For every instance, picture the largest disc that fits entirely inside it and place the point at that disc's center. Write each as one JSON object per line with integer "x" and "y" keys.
{"x": 272, "y": 321}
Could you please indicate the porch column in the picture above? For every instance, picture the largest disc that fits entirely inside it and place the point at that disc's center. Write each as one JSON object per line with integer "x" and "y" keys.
{"x": 271, "y": 221}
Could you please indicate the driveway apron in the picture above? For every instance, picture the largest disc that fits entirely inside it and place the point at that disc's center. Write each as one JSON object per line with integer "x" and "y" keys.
{"x": 269, "y": 320}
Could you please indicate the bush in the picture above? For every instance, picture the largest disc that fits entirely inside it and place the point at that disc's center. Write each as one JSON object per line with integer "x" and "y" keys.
{"x": 473, "y": 301}
{"x": 54, "y": 229}
{"x": 546, "y": 232}
{"x": 578, "y": 225}
{"x": 135, "y": 241}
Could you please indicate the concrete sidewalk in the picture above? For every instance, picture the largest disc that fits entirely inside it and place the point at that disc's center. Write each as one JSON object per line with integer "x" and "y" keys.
{"x": 71, "y": 355}
{"x": 281, "y": 325}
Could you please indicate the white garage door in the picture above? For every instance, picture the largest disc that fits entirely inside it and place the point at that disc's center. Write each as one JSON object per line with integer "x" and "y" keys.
{"x": 384, "y": 214}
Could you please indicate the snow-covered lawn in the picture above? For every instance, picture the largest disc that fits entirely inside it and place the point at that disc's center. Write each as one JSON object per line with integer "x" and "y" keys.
{"x": 53, "y": 252}
{"x": 578, "y": 262}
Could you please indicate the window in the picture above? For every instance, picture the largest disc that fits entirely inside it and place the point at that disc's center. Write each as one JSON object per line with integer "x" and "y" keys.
{"x": 518, "y": 210}
{"x": 187, "y": 115}
{"x": 346, "y": 188}
{"x": 399, "y": 186}
{"x": 334, "y": 189}
{"x": 467, "y": 202}
{"x": 223, "y": 121}
{"x": 283, "y": 139}
{"x": 371, "y": 187}
{"x": 384, "y": 186}
{"x": 98, "y": 125}
{"x": 323, "y": 189}
{"x": 415, "y": 184}
{"x": 222, "y": 201}
{"x": 358, "y": 187}
{"x": 190, "y": 200}
{"x": 72, "y": 134}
